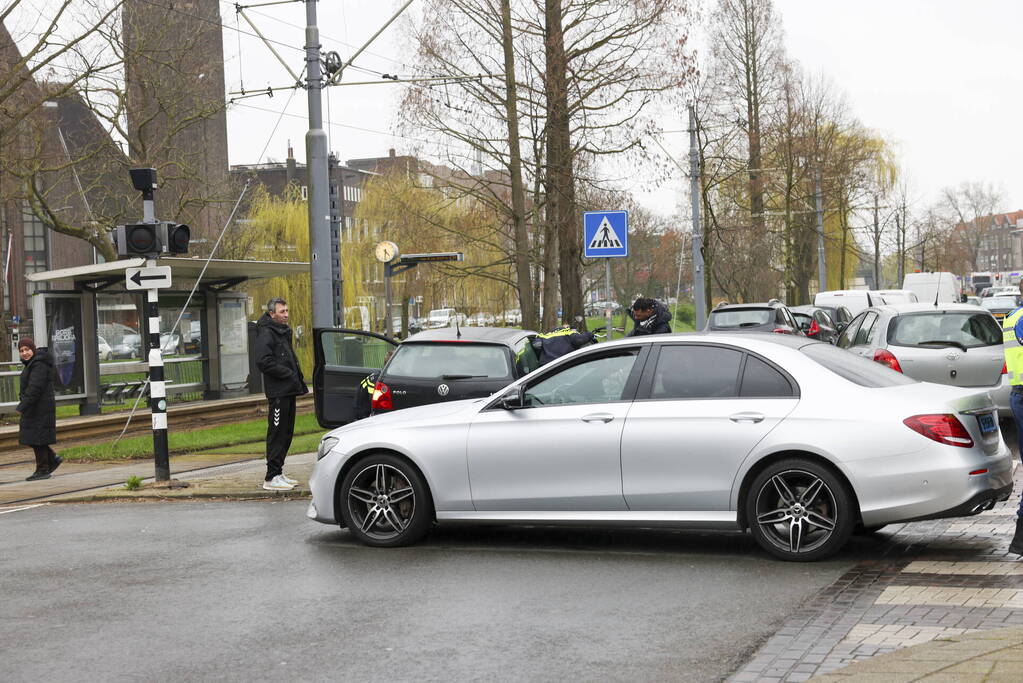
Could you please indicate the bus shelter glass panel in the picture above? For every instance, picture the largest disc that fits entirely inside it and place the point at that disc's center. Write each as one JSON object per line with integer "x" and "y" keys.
{"x": 117, "y": 322}
{"x": 58, "y": 323}
{"x": 182, "y": 336}
{"x": 234, "y": 341}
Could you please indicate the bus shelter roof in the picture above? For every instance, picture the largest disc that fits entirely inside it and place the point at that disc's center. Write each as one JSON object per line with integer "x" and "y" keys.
{"x": 223, "y": 272}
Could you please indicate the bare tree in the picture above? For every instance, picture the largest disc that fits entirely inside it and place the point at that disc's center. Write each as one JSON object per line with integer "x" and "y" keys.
{"x": 972, "y": 206}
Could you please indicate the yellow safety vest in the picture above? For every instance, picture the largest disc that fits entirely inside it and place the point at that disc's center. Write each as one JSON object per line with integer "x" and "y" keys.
{"x": 1013, "y": 350}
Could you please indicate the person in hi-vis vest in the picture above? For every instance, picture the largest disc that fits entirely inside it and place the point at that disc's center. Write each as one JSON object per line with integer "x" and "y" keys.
{"x": 1012, "y": 336}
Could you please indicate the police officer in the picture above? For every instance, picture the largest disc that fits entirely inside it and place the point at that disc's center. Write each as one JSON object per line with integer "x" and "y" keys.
{"x": 364, "y": 395}
{"x": 1012, "y": 336}
{"x": 563, "y": 340}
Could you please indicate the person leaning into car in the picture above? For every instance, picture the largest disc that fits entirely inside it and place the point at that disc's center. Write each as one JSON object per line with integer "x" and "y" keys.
{"x": 649, "y": 317}
{"x": 282, "y": 382}
{"x": 1012, "y": 336}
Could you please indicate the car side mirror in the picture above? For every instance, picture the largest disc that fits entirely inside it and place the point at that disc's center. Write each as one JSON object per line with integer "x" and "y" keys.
{"x": 514, "y": 399}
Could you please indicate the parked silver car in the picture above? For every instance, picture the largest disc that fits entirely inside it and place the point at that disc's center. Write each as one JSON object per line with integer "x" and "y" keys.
{"x": 1000, "y": 305}
{"x": 796, "y": 440}
{"x": 955, "y": 344}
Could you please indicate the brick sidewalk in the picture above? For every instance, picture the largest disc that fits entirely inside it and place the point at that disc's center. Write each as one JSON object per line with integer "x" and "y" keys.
{"x": 943, "y": 579}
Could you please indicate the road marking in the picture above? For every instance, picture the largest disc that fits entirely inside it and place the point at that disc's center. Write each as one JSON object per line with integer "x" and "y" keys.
{"x": 951, "y": 596}
{"x": 23, "y": 507}
{"x": 967, "y": 568}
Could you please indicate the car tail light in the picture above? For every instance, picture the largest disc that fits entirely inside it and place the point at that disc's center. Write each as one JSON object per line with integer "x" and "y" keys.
{"x": 382, "y": 397}
{"x": 814, "y": 330}
{"x": 780, "y": 330}
{"x": 946, "y": 429}
{"x": 1005, "y": 369}
{"x": 885, "y": 357}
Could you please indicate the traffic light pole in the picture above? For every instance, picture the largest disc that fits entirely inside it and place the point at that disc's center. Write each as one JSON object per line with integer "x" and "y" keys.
{"x": 157, "y": 384}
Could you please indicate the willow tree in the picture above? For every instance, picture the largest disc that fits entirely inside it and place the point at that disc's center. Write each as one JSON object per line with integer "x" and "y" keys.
{"x": 437, "y": 217}
{"x": 277, "y": 229}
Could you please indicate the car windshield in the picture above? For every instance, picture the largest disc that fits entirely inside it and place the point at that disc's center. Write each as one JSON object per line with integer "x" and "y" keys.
{"x": 965, "y": 329}
{"x": 856, "y": 369}
{"x": 457, "y": 360}
{"x": 741, "y": 317}
{"x": 995, "y": 302}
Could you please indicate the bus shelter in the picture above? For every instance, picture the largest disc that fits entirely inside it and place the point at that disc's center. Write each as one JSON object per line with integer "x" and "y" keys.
{"x": 95, "y": 330}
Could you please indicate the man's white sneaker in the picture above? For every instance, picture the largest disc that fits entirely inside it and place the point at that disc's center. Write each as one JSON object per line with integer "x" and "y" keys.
{"x": 293, "y": 482}
{"x": 277, "y": 484}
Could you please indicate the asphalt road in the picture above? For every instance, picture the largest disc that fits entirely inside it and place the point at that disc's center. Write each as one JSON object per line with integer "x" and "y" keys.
{"x": 254, "y": 591}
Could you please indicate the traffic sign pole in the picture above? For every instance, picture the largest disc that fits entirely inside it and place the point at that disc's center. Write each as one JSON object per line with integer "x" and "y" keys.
{"x": 157, "y": 384}
{"x": 608, "y": 300}
{"x": 606, "y": 236}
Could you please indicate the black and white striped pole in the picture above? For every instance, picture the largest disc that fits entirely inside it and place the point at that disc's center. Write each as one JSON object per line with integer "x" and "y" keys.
{"x": 150, "y": 238}
{"x": 157, "y": 383}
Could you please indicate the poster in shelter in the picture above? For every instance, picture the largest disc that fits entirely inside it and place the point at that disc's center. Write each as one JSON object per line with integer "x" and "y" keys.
{"x": 64, "y": 318}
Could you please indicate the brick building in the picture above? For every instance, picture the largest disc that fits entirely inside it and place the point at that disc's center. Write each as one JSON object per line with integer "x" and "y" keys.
{"x": 1000, "y": 247}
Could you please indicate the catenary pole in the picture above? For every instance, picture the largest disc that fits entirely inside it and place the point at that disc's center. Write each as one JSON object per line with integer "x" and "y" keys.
{"x": 699, "y": 297}
{"x": 316, "y": 164}
{"x": 822, "y": 273}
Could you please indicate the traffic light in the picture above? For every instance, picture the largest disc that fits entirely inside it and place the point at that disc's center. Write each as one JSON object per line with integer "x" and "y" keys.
{"x": 151, "y": 239}
{"x": 177, "y": 236}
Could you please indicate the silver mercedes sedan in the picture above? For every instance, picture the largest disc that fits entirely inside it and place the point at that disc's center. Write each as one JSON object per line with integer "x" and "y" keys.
{"x": 797, "y": 441}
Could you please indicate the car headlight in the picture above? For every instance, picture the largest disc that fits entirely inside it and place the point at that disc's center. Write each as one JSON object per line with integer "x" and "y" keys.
{"x": 326, "y": 444}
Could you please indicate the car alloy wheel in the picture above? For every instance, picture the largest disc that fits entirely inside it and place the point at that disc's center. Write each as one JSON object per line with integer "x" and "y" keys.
{"x": 798, "y": 510}
{"x": 384, "y": 502}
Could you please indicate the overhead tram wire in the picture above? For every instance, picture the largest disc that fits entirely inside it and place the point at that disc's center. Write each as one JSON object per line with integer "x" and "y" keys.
{"x": 364, "y": 130}
{"x": 323, "y": 37}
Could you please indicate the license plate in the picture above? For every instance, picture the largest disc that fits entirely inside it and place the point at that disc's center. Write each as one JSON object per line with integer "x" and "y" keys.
{"x": 987, "y": 423}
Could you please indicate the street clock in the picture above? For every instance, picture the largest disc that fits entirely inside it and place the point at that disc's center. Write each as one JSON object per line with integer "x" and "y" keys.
{"x": 386, "y": 251}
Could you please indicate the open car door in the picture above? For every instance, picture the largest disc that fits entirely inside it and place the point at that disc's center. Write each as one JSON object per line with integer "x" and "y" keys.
{"x": 343, "y": 358}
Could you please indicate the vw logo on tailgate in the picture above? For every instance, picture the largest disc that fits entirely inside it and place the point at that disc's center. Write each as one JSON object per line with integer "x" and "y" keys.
{"x": 443, "y": 389}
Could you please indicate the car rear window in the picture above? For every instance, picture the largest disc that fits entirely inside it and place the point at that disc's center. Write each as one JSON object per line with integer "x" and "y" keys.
{"x": 455, "y": 360}
{"x": 741, "y": 317}
{"x": 856, "y": 369}
{"x": 964, "y": 328}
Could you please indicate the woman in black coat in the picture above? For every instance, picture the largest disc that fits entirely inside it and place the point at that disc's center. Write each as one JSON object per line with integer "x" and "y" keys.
{"x": 38, "y": 407}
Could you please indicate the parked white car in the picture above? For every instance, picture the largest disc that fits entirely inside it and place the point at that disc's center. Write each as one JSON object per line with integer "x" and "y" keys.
{"x": 104, "y": 351}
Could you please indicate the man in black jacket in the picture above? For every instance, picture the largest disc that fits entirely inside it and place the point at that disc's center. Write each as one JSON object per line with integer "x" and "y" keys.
{"x": 650, "y": 317}
{"x": 282, "y": 382}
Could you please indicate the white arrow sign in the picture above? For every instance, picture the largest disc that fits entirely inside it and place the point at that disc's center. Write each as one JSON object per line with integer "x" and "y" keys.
{"x": 157, "y": 277}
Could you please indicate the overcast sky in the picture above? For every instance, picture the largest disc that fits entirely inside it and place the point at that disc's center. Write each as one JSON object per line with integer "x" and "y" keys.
{"x": 939, "y": 78}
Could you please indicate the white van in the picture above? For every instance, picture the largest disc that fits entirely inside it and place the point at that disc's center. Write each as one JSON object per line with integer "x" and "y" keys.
{"x": 854, "y": 299}
{"x": 928, "y": 285}
{"x": 443, "y": 317}
{"x": 897, "y": 296}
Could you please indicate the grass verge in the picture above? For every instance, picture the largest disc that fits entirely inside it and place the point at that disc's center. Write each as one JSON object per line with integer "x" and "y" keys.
{"x": 195, "y": 441}
{"x": 304, "y": 443}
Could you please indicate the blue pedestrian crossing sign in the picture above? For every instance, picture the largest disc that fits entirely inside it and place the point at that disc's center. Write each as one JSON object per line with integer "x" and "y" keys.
{"x": 605, "y": 234}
